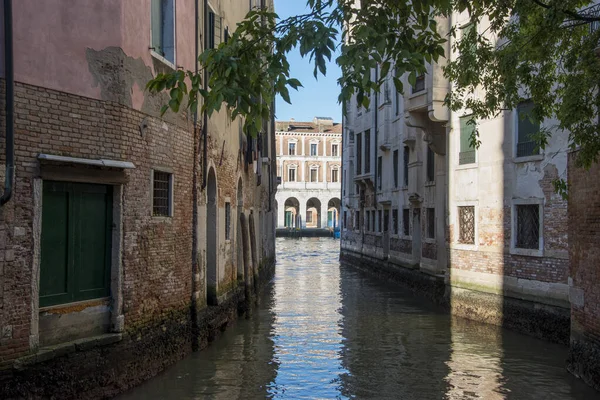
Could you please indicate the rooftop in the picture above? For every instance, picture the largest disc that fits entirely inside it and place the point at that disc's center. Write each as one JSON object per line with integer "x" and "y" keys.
{"x": 317, "y": 125}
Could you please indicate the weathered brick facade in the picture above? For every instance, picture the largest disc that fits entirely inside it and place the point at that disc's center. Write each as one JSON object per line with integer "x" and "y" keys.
{"x": 584, "y": 271}
{"x": 101, "y": 128}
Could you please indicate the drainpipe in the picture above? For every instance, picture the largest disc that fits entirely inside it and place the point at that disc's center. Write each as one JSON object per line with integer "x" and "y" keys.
{"x": 195, "y": 273}
{"x": 204, "y": 114}
{"x": 376, "y": 144}
{"x": 10, "y": 89}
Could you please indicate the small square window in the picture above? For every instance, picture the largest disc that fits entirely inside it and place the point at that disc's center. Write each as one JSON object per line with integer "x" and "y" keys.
{"x": 161, "y": 193}
{"x": 466, "y": 224}
{"x": 528, "y": 226}
{"x": 227, "y": 221}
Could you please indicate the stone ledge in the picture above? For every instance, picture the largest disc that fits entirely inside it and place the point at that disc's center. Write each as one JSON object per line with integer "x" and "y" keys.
{"x": 50, "y": 352}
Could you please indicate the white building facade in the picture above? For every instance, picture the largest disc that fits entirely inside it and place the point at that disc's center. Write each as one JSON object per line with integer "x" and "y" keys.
{"x": 485, "y": 222}
{"x": 309, "y": 172}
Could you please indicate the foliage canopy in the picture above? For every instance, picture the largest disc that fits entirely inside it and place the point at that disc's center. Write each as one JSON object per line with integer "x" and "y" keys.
{"x": 543, "y": 50}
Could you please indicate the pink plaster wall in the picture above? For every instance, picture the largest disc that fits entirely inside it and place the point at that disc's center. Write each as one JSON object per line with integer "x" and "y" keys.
{"x": 51, "y": 38}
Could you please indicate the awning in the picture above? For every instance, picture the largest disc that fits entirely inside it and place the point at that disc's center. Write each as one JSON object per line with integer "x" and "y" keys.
{"x": 87, "y": 161}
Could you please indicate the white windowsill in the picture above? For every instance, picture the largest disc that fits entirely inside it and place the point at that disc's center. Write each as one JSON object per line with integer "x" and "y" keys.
{"x": 163, "y": 60}
{"x": 536, "y": 157}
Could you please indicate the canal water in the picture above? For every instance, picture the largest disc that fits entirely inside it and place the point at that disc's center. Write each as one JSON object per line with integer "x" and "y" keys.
{"x": 327, "y": 331}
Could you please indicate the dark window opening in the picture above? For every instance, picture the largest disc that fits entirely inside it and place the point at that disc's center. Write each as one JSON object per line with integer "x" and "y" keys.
{"x": 395, "y": 221}
{"x": 430, "y": 165}
{"x": 405, "y": 222}
{"x": 405, "y": 165}
{"x": 431, "y": 223}
{"x": 227, "y": 221}
{"x": 161, "y": 194}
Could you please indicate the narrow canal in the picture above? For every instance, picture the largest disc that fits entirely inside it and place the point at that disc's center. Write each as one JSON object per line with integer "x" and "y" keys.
{"x": 326, "y": 331}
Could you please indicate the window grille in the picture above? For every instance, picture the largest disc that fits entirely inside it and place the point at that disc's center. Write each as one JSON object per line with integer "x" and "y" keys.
{"x": 528, "y": 226}
{"x": 227, "y": 221}
{"x": 466, "y": 232}
{"x": 431, "y": 223}
{"x": 161, "y": 194}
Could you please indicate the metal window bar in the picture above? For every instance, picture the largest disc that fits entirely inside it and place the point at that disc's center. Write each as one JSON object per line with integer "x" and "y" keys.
{"x": 528, "y": 227}
{"x": 161, "y": 194}
{"x": 466, "y": 216}
{"x": 466, "y": 157}
{"x": 525, "y": 149}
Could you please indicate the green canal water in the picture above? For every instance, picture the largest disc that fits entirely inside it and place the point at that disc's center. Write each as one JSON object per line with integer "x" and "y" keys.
{"x": 327, "y": 331}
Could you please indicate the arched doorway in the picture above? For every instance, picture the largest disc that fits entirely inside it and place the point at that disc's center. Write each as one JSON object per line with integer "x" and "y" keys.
{"x": 211, "y": 238}
{"x": 333, "y": 212}
{"x": 313, "y": 205}
{"x": 292, "y": 210}
{"x": 239, "y": 233}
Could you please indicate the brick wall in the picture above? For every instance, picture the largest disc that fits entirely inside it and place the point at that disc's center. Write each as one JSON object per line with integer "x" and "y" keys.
{"x": 156, "y": 259}
{"x": 584, "y": 269}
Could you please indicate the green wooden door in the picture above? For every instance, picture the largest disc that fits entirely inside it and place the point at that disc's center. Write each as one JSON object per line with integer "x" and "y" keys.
{"x": 76, "y": 242}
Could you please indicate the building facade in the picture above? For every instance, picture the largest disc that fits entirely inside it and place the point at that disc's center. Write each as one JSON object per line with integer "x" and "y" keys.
{"x": 309, "y": 171}
{"x": 482, "y": 228}
{"x": 130, "y": 238}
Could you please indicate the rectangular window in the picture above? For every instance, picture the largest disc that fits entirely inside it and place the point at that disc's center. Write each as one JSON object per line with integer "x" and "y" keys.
{"x": 345, "y": 220}
{"x": 309, "y": 215}
{"x": 419, "y": 84}
{"x": 161, "y": 194}
{"x": 357, "y": 220}
{"x": 163, "y": 28}
{"x": 373, "y": 227}
{"x": 367, "y": 151}
{"x": 386, "y": 220}
{"x": 405, "y": 222}
{"x": 466, "y": 223}
{"x": 334, "y": 149}
{"x": 379, "y": 221}
{"x": 398, "y": 95}
{"x": 334, "y": 175}
{"x": 431, "y": 223}
{"x": 467, "y": 152}
{"x": 395, "y": 221}
{"x": 379, "y": 171}
{"x": 76, "y": 242}
{"x": 526, "y": 130}
{"x": 430, "y": 165}
{"x": 396, "y": 160}
{"x": 405, "y": 165}
{"x": 368, "y": 221}
{"x": 528, "y": 226}
{"x": 292, "y": 175}
{"x": 358, "y": 154}
{"x": 227, "y": 220}
{"x": 313, "y": 149}
{"x": 214, "y": 30}
{"x": 292, "y": 149}
{"x": 314, "y": 175}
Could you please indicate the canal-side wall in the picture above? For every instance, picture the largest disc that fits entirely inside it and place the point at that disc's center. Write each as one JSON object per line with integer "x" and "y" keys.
{"x": 107, "y": 365}
{"x": 584, "y": 274}
{"x": 549, "y": 322}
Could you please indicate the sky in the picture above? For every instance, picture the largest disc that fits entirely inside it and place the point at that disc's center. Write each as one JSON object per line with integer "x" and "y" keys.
{"x": 316, "y": 98}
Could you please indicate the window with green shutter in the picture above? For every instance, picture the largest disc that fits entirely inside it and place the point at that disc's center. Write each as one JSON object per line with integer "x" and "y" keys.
{"x": 76, "y": 242}
{"x": 526, "y": 130}
{"x": 467, "y": 153}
